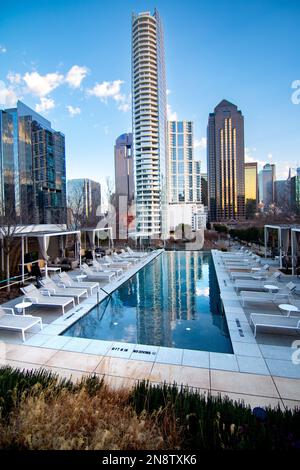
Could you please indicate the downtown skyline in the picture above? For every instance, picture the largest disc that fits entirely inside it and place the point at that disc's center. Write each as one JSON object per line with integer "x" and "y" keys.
{"x": 88, "y": 91}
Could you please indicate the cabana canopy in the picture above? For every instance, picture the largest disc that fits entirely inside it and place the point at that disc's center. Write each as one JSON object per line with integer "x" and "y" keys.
{"x": 91, "y": 237}
{"x": 44, "y": 240}
{"x": 284, "y": 238}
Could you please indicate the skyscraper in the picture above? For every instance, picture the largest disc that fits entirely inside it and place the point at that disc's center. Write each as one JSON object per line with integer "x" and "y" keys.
{"x": 266, "y": 180}
{"x": 7, "y": 186}
{"x": 282, "y": 190}
{"x": 295, "y": 192}
{"x": 124, "y": 183}
{"x": 39, "y": 168}
{"x": 149, "y": 123}
{"x": 225, "y": 163}
{"x": 184, "y": 180}
{"x": 251, "y": 188}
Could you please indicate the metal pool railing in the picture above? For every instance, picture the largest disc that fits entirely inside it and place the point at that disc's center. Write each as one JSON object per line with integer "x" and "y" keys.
{"x": 16, "y": 280}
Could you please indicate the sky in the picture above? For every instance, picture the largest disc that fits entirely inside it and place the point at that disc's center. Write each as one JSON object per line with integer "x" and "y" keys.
{"x": 71, "y": 61}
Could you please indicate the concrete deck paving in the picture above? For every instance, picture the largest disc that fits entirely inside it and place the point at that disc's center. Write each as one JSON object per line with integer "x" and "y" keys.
{"x": 258, "y": 373}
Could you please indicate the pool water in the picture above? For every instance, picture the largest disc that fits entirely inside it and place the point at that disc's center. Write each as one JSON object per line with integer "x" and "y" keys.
{"x": 174, "y": 301}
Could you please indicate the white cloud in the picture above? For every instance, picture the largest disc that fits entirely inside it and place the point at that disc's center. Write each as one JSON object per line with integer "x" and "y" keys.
{"x": 42, "y": 85}
{"x": 45, "y": 105}
{"x": 8, "y": 96}
{"x": 2, "y": 49}
{"x": 168, "y": 91}
{"x": 75, "y": 75}
{"x": 106, "y": 90}
{"x": 171, "y": 115}
{"x": 201, "y": 143}
{"x": 73, "y": 111}
{"x": 249, "y": 158}
{"x": 14, "y": 78}
{"x": 106, "y": 130}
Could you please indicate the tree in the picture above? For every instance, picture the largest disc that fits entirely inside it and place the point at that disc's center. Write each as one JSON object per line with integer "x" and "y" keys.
{"x": 109, "y": 190}
{"x": 251, "y": 207}
{"x": 75, "y": 202}
{"x": 8, "y": 229}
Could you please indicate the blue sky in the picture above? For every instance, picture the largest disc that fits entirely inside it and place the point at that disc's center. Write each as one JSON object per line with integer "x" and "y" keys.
{"x": 71, "y": 60}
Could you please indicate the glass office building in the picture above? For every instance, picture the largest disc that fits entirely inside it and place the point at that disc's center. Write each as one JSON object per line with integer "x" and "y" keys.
{"x": 267, "y": 177}
{"x": 225, "y": 163}
{"x": 184, "y": 178}
{"x": 7, "y": 184}
{"x": 39, "y": 168}
{"x": 295, "y": 192}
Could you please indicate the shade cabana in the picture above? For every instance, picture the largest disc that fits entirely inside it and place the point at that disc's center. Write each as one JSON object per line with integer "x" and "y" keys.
{"x": 295, "y": 244}
{"x": 43, "y": 239}
{"x": 283, "y": 239}
{"x": 90, "y": 238}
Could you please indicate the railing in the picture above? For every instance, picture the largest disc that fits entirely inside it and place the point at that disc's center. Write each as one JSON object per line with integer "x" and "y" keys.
{"x": 20, "y": 281}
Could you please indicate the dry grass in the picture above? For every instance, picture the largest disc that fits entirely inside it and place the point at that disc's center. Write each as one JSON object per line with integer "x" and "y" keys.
{"x": 83, "y": 421}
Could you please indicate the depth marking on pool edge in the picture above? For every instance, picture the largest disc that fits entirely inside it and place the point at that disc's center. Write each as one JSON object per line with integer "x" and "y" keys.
{"x": 143, "y": 351}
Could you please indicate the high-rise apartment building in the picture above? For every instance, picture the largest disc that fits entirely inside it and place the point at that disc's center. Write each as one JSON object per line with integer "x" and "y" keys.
{"x": 266, "y": 179}
{"x": 149, "y": 123}
{"x": 84, "y": 201}
{"x": 39, "y": 184}
{"x": 124, "y": 184}
{"x": 225, "y": 163}
{"x": 251, "y": 189}
{"x": 184, "y": 177}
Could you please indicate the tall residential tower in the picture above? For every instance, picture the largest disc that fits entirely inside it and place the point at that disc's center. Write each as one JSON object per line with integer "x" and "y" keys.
{"x": 149, "y": 123}
{"x": 225, "y": 163}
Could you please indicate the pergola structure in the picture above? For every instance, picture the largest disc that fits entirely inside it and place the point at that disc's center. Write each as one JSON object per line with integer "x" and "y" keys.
{"x": 284, "y": 239}
{"x": 295, "y": 243}
{"x": 44, "y": 240}
{"x": 91, "y": 237}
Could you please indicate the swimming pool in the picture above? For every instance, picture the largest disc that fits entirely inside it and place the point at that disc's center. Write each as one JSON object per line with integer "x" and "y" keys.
{"x": 174, "y": 301}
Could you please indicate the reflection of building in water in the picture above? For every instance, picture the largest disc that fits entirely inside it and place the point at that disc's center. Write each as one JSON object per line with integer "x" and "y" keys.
{"x": 215, "y": 301}
{"x": 214, "y": 298}
{"x": 183, "y": 274}
{"x": 153, "y": 325}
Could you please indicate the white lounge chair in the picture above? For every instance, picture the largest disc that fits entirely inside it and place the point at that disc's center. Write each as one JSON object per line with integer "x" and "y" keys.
{"x": 68, "y": 281}
{"x": 251, "y": 271}
{"x": 275, "y": 322}
{"x": 97, "y": 276}
{"x": 141, "y": 254}
{"x": 39, "y": 298}
{"x": 124, "y": 264}
{"x": 252, "y": 284}
{"x": 254, "y": 296}
{"x": 102, "y": 269}
{"x": 64, "y": 291}
{"x": 11, "y": 321}
{"x": 129, "y": 257}
{"x": 118, "y": 258}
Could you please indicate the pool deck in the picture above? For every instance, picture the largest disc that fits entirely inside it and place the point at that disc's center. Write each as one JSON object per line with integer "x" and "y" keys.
{"x": 249, "y": 374}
